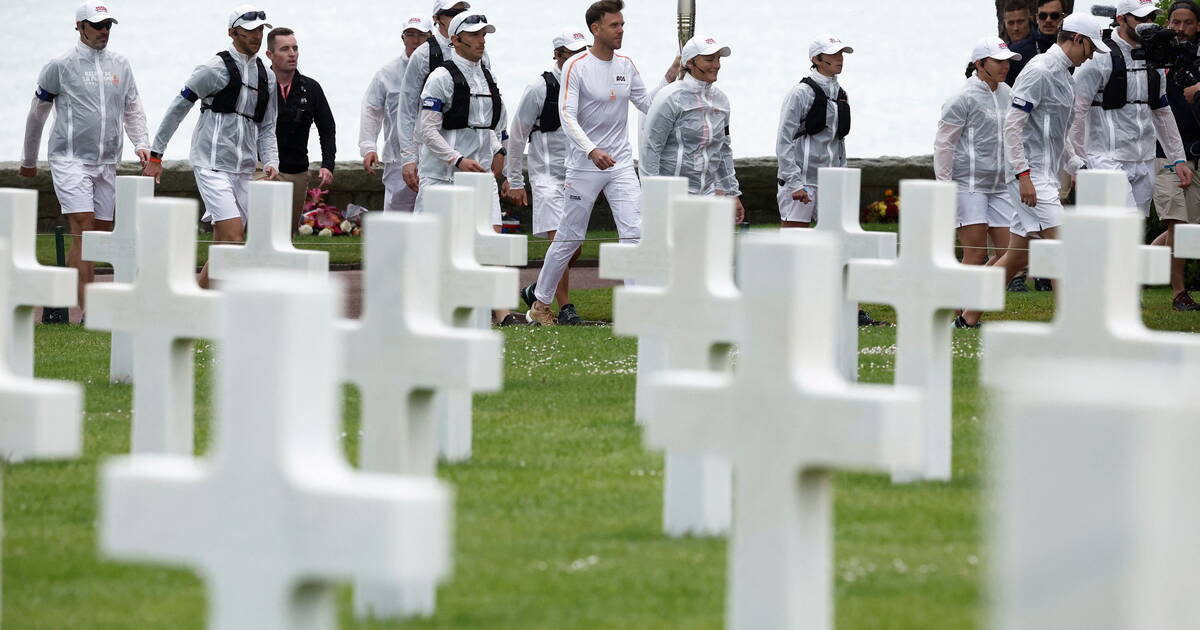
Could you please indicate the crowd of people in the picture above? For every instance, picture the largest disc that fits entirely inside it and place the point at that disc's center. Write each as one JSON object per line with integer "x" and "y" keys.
{"x": 1060, "y": 92}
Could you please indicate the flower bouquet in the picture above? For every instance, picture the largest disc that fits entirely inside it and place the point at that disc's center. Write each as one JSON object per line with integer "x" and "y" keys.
{"x": 325, "y": 220}
{"x": 886, "y": 210}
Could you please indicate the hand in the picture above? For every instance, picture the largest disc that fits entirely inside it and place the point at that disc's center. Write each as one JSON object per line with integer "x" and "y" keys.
{"x": 1185, "y": 174}
{"x": 498, "y": 166}
{"x": 471, "y": 166}
{"x": 326, "y": 177}
{"x": 271, "y": 173}
{"x": 144, "y": 156}
{"x": 518, "y": 197}
{"x": 153, "y": 169}
{"x": 28, "y": 171}
{"x": 741, "y": 210}
{"x": 410, "y": 176}
{"x": 674, "y": 71}
{"x": 1028, "y": 192}
{"x": 802, "y": 196}
{"x": 601, "y": 159}
{"x": 1190, "y": 93}
{"x": 370, "y": 162}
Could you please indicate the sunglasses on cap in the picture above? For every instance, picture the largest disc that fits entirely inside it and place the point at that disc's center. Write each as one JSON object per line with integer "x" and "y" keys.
{"x": 101, "y": 26}
{"x": 475, "y": 19}
{"x": 450, "y": 13}
{"x": 250, "y": 17}
{"x": 1054, "y": 15}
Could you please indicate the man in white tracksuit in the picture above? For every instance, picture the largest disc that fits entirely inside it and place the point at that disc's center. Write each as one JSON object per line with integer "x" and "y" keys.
{"x": 94, "y": 98}
{"x": 537, "y": 122}
{"x": 598, "y": 86}
{"x": 380, "y": 110}
{"x": 236, "y": 131}
{"x": 687, "y": 130}
{"x": 1121, "y": 107}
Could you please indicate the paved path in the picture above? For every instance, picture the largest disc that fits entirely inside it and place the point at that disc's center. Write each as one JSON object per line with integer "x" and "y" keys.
{"x": 582, "y": 278}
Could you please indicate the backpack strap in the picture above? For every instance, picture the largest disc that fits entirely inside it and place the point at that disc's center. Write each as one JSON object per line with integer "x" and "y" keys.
{"x": 549, "y": 121}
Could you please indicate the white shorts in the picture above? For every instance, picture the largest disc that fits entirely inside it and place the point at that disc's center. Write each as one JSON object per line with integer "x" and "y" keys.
{"x": 1139, "y": 175}
{"x": 397, "y": 196}
{"x": 795, "y": 211}
{"x": 429, "y": 182}
{"x": 1047, "y": 214}
{"x": 994, "y": 209}
{"x": 226, "y": 195}
{"x": 549, "y": 199}
{"x": 85, "y": 187}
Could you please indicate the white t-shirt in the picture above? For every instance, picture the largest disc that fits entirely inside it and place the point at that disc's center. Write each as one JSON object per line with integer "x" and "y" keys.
{"x": 594, "y": 108}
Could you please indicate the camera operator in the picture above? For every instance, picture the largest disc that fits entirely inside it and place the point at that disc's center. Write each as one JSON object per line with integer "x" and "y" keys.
{"x": 1173, "y": 203}
{"x": 1119, "y": 98}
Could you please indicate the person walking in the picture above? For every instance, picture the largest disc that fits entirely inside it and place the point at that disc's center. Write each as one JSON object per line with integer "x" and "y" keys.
{"x": 238, "y": 111}
{"x": 94, "y": 97}
{"x": 969, "y": 151}
{"x": 302, "y": 103}
{"x": 538, "y": 126}
{"x": 380, "y": 110}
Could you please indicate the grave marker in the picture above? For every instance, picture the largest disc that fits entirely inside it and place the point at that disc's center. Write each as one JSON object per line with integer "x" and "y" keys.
{"x": 491, "y": 248}
{"x": 30, "y": 284}
{"x": 840, "y": 191}
{"x": 274, "y": 514}
{"x": 119, "y": 249}
{"x": 399, "y": 355}
{"x": 925, "y": 284}
{"x": 163, "y": 311}
{"x": 697, "y": 489}
{"x": 807, "y": 421}
{"x": 268, "y": 240}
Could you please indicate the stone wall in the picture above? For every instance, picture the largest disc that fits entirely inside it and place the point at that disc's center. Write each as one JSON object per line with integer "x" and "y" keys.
{"x": 353, "y": 185}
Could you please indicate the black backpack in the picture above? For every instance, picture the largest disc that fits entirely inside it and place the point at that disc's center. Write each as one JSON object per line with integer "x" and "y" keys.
{"x": 818, "y": 118}
{"x": 226, "y": 100}
{"x": 459, "y": 113}
{"x": 1116, "y": 94}
{"x": 549, "y": 121}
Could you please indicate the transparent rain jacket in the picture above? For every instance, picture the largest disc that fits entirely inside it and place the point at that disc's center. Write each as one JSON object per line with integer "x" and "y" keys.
{"x": 94, "y": 98}
{"x": 1035, "y": 129}
{"x": 801, "y": 158}
{"x": 687, "y": 135}
{"x": 233, "y": 142}
{"x": 380, "y": 110}
{"x": 441, "y": 148}
{"x": 969, "y": 148}
{"x": 547, "y": 150}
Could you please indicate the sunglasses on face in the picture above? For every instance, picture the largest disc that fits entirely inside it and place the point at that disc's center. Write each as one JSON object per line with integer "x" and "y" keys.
{"x": 251, "y": 16}
{"x": 1143, "y": 19}
{"x": 101, "y": 26}
{"x": 1055, "y": 15}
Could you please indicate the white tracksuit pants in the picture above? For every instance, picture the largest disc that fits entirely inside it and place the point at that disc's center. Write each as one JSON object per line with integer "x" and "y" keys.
{"x": 623, "y": 191}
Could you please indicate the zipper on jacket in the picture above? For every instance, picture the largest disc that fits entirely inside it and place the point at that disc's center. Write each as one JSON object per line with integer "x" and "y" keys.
{"x": 103, "y": 110}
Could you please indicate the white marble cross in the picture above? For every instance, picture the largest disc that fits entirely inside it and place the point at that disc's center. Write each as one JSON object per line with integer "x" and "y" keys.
{"x": 1105, "y": 189}
{"x": 841, "y": 189}
{"x": 119, "y": 248}
{"x": 925, "y": 284}
{"x": 467, "y": 288}
{"x": 699, "y": 281}
{"x": 163, "y": 311}
{"x": 1096, "y": 435}
{"x": 491, "y": 248}
{"x": 786, "y": 417}
{"x": 274, "y": 515}
{"x": 647, "y": 262}
{"x": 1187, "y": 241}
{"x": 30, "y": 284}
{"x": 39, "y": 419}
{"x": 268, "y": 239}
{"x": 399, "y": 355}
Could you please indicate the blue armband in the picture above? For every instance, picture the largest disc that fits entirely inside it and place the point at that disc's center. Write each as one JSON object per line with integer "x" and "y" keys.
{"x": 432, "y": 104}
{"x": 44, "y": 96}
{"x": 189, "y": 95}
{"x": 1022, "y": 105}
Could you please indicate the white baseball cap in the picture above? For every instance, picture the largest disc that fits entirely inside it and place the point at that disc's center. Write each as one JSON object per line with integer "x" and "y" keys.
{"x": 249, "y": 17}
{"x": 572, "y": 39}
{"x": 470, "y": 22}
{"x": 93, "y": 11}
{"x": 1140, "y": 8}
{"x": 445, "y": 5}
{"x": 827, "y": 45}
{"x": 702, "y": 45}
{"x": 417, "y": 22}
{"x": 993, "y": 48}
{"x": 1087, "y": 26}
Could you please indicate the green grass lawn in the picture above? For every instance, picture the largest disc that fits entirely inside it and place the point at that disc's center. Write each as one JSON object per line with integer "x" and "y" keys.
{"x": 558, "y": 514}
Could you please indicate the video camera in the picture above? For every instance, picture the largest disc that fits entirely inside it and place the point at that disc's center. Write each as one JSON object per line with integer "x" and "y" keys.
{"x": 1162, "y": 49}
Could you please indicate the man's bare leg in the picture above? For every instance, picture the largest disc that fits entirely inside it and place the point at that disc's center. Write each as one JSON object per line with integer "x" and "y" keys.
{"x": 795, "y": 224}
{"x": 78, "y": 223}
{"x": 227, "y": 231}
{"x": 499, "y": 315}
{"x": 1000, "y": 238}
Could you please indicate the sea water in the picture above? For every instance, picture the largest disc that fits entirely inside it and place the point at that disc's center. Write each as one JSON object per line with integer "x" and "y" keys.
{"x": 908, "y": 56}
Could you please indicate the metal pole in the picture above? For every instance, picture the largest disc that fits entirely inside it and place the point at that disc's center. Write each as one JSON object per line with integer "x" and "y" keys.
{"x": 58, "y": 315}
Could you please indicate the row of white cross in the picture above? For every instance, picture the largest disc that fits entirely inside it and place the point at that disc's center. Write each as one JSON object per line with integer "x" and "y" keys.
{"x": 274, "y": 514}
